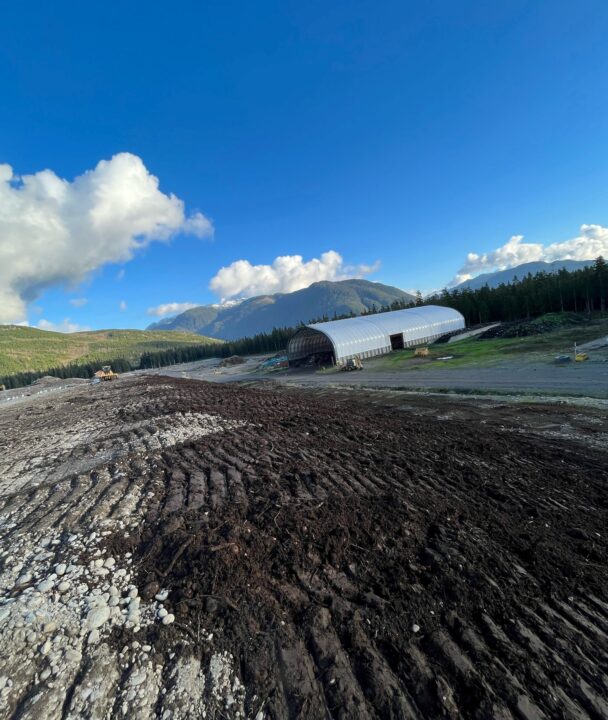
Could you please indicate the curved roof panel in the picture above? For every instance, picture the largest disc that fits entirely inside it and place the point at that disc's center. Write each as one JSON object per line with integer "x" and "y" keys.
{"x": 371, "y": 333}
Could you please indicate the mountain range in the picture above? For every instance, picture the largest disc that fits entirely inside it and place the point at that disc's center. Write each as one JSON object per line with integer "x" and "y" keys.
{"x": 519, "y": 272}
{"x": 265, "y": 312}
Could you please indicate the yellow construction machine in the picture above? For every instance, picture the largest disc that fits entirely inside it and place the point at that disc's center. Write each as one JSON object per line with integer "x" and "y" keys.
{"x": 351, "y": 364}
{"x": 106, "y": 373}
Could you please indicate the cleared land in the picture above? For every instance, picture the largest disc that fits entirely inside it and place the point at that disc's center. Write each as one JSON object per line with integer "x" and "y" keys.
{"x": 30, "y": 349}
{"x": 179, "y": 549}
{"x": 501, "y": 365}
{"x": 514, "y": 376}
{"x": 475, "y": 352}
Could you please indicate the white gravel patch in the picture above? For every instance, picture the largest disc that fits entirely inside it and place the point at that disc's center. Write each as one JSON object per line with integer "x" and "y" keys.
{"x": 55, "y": 632}
{"x": 52, "y": 455}
{"x": 66, "y": 605}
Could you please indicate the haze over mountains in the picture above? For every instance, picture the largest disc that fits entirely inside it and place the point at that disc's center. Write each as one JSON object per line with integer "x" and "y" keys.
{"x": 265, "y": 312}
{"x": 494, "y": 279}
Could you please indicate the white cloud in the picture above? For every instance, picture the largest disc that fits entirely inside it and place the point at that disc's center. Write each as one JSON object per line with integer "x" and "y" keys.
{"x": 122, "y": 305}
{"x": 198, "y": 225}
{"x": 173, "y": 308}
{"x": 66, "y": 326}
{"x": 78, "y": 302}
{"x": 226, "y": 303}
{"x": 592, "y": 241}
{"x": 286, "y": 274}
{"x": 120, "y": 274}
{"x": 53, "y": 231}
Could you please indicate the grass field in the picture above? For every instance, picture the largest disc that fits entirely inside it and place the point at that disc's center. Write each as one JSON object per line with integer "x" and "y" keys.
{"x": 488, "y": 352}
{"x": 30, "y": 349}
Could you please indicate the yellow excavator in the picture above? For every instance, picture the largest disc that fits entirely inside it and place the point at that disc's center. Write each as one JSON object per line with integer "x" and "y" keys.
{"x": 106, "y": 373}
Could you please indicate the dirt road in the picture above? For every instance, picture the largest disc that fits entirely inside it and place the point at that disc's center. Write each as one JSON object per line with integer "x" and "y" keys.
{"x": 588, "y": 379}
{"x": 179, "y": 549}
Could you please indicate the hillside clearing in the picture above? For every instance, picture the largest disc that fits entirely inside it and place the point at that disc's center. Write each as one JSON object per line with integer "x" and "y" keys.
{"x": 24, "y": 349}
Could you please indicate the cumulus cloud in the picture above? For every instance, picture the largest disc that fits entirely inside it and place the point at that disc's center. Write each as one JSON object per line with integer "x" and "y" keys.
{"x": 78, "y": 302}
{"x": 286, "y": 274}
{"x": 591, "y": 242}
{"x": 173, "y": 308}
{"x": 66, "y": 326}
{"x": 54, "y": 232}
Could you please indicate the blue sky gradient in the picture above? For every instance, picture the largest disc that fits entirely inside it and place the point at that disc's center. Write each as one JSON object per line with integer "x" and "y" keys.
{"x": 405, "y": 132}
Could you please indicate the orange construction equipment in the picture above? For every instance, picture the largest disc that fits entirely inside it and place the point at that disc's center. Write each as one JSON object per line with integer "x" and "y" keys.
{"x": 106, "y": 373}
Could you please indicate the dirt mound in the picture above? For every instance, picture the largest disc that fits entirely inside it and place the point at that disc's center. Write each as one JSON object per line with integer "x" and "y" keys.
{"x": 232, "y": 361}
{"x": 538, "y": 326}
{"x": 307, "y": 557}
{"x": 47, "y": 380}
{"x": 51, "y": 380}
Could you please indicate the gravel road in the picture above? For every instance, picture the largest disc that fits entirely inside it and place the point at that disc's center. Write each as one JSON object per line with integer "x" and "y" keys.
{"x": 590, "y": 379}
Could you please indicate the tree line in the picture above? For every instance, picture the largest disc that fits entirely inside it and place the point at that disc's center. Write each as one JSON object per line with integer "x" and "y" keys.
{"x": 269, "y": 342}
{"x": 583, "y": 290}
{"x": 73, "y": 370}
{"x": 265, "y": 342}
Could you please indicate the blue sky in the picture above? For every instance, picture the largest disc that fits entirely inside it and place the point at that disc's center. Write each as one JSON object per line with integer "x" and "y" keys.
{"x": 404, "y": 133}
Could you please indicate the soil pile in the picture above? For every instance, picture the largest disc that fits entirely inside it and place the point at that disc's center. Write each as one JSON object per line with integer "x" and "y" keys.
{"x": 232, "y": 361}
{"x": 369, "y": 565}
{"x": 538, "y": 326}
{"x": 323, "y": 558}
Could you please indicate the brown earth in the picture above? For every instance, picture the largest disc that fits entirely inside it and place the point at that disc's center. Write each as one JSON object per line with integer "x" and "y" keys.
{"x": 356, "y": 559}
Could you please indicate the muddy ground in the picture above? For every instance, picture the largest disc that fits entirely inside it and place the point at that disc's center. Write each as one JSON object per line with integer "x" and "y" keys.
{"x": 179, "y": 549}
{"x": 517, "y": 375}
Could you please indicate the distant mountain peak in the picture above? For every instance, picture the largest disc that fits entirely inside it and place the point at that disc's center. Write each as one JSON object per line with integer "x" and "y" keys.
{"x": 262, "y": 313}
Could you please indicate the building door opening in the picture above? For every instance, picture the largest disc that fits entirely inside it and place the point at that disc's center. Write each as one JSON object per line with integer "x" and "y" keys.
{"x": 397, "y": 342}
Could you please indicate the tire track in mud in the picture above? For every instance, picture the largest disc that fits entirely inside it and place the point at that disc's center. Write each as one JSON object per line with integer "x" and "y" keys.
{"x": 445, "y": 649}
{"x": 80, "y": 469}
{"x": 323, "y": 560}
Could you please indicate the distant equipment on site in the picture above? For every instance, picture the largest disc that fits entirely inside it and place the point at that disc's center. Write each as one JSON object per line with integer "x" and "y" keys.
{"x": 581, "y": 357}
{"x": 278, "y": 362}
{"x": 373, "y": 334}
{"x": 353, "y": 364}
{"x": 106, "y": 373}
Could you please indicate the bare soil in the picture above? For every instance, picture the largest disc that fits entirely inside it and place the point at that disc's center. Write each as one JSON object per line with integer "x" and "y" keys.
{"x": 353, "y": 558}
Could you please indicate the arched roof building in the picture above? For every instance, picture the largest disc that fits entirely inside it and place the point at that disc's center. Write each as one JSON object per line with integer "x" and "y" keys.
{"x": 376, "y": 334}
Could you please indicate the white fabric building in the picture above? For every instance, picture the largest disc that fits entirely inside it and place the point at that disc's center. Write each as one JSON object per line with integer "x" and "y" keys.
{"x": 371, "y": 335}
